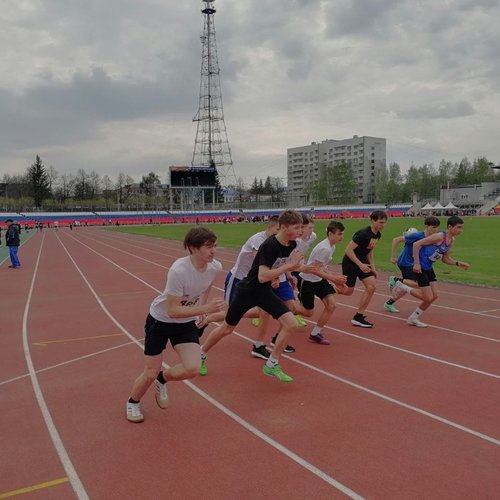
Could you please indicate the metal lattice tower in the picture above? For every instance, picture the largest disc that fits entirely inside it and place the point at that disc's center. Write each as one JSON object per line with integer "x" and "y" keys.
{"x": 211, "y": 146}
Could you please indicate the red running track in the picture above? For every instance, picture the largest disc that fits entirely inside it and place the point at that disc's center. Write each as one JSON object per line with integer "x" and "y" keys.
{"x": 391, "y": 412}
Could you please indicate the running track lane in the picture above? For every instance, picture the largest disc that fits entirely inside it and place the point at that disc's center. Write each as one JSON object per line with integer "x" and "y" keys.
{"x": 358, "y": 428}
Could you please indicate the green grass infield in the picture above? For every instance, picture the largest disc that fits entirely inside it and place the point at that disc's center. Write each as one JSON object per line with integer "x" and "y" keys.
{"x": 479, "y": 244}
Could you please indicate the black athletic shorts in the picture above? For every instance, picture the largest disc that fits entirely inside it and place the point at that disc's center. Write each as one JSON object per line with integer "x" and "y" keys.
{"x": 248, "y": 297}
{"x": 352, "y": 271}
{"x": 159, "y": 333}
{"x": 310, "y": 289}
{"x": 423, "y": 279}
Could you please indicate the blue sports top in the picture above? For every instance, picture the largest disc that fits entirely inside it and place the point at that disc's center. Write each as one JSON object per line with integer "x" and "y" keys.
{"x": 405, "y": 258}
{"x": 432, "y": 253}
{"x": 428, "y": 254}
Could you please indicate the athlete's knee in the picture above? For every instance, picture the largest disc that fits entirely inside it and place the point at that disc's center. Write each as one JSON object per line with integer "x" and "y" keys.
{"x": 226, "y": 329}
{"x": 348, "y": 290}
{"x": 150, "y": 374}
{"x": 308, "y": 313}
{"x": 330, "y": 306}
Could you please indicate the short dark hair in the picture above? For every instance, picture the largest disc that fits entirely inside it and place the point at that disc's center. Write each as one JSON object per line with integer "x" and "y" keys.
{"x": 289, "y": 218}
{"x": 197, "y": 237}
{"x": 378, "y": 214}
{"x": 334, "y": 227}
{"x": 454, "y": 220}
{"x": 305, "y": 219}
{"x": 274, "y": 219}
{"x": 432, "y": 221}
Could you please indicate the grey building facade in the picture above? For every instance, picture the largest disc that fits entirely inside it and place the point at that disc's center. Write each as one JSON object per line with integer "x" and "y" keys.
{"x": 305, "y": 164}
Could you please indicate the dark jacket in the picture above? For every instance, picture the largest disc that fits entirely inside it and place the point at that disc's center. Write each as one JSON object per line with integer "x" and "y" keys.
{"x": 12, "y": 236}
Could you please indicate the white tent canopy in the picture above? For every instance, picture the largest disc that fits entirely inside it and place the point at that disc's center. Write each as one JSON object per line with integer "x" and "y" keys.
{"x": 428, "y": 206}
{"x": 450, "y": 206}
{"x": 438, "y": 206}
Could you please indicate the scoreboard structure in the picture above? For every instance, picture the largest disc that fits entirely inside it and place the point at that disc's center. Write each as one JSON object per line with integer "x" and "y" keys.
{"x": 192, "y": 177}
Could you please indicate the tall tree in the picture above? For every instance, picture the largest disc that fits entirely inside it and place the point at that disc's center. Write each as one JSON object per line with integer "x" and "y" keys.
{"x": 336, "y": 185}
{"x": 82, "y": 188}
{"x": 149, "y": 184}
{"x": 38, "y": 182}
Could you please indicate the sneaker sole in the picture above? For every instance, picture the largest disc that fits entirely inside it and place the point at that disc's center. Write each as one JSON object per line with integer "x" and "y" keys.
{"x": 260, "y": 356}
{"x": 391, "y": 310}
{"x": 277, "y": 378}
{"x": 357, "y": 323}
{"x": 319, "y": 343}
{"x": 135, "y": 420}
{"x": 418, "y": 326}
{"x": 161, "y": 403}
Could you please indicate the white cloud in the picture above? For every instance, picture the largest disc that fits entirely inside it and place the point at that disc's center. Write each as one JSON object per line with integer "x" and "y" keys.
{"x": 113, "y": 86}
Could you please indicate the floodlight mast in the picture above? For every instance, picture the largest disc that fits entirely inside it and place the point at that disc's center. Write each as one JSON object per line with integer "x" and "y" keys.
{"x": 211, "y": 146}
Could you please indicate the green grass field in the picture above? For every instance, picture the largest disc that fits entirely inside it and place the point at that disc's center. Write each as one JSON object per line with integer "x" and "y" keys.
{"x": 479, "y": 244}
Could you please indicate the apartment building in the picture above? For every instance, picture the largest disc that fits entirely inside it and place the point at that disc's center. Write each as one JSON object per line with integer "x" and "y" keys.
{"x": 305, "y": 164}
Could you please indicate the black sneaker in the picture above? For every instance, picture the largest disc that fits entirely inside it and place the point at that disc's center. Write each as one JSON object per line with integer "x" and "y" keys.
{"x": 260, "y": 352}
{"x": 288, "y": 349}
{"x": 360, "y": 320}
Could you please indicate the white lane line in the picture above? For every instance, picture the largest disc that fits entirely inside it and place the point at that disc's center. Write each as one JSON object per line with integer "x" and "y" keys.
{"x": 331, "y": 375}
{"x": 54, "y": 434}
{"x": 69, "y": 361}
{"x": 290, "y": 454}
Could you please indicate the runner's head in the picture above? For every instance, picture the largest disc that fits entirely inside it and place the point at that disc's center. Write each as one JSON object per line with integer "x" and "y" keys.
{"x": 290, "y": 222}
{"x": 335, "y": 232}
{"x": 378, "y": 220}
{"x": 197, "y": 237}
{"x": 455, "y": 225}
{"x": 431, "y": 224}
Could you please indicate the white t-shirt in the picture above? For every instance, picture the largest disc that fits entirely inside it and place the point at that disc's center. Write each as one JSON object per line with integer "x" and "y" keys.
{"x": 247, "y": 254}
{"x": 302, "y": 246}
{"x": 183, "y": 280}
{"x": 322, "y": 252}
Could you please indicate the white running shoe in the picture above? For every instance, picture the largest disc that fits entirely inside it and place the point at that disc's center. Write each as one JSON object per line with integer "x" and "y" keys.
{"x": 134, "y": 412}
{"x": 161, "y": 394}
{"x": 417, "y": 322}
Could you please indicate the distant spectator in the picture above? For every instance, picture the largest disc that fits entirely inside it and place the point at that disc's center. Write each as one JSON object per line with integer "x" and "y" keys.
{"x": 12, "y": 240}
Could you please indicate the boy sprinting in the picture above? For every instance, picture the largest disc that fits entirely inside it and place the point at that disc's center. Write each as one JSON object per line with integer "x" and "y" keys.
{"x": 275, "y": 256}
{"x": 318, "y": 285}
{"x": 173, "y": 315}
{"x": 358, "y": 262}
{"x": 426, "y": 252}
{"x": 405, "y": 263}
{"x": 240, "y": 270}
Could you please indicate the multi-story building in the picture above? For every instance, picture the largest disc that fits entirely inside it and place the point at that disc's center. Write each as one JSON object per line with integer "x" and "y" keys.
{"x": 305, "y": 164}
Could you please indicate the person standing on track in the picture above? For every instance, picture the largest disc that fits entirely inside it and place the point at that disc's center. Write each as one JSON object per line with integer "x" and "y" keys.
{"x": 173, "y": 316}
{"x": 358, "y": 262}
{"x": 12, "y": 240}
{"x": 277, "y": 255}
{"x": 426, "y": 252}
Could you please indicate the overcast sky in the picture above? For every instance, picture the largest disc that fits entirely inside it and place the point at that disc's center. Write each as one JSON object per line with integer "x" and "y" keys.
{"x": 112, "y": 85}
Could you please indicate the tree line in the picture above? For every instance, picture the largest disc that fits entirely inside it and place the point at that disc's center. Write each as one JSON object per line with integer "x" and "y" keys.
{"x": 44, "y": 186}
{"x": 337, "y": 184}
